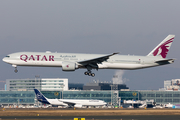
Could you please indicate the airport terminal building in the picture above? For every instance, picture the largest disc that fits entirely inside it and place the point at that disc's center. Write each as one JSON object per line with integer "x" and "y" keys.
{"x": 16, "y": 95}
{"x": 28, "y": 97}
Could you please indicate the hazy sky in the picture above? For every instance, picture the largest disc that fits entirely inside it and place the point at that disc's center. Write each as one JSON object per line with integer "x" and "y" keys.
{"x": 94, "y": 26}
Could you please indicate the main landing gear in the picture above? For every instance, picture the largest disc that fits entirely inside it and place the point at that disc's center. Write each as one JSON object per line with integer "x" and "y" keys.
{"x": 89, "y": 73}
{"x": 89, "y": 68}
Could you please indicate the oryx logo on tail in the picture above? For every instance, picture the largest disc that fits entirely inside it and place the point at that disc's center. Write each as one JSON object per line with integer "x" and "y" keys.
{"x": 163, "y": 48}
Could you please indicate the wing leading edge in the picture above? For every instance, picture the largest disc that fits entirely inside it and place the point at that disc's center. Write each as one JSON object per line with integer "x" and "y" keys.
{"x": 93, "y": 62}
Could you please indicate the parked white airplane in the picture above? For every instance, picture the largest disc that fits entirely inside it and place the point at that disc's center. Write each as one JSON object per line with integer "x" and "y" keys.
{"x": 68, "y": 102}
{"x": 73, "y": 61}
{"x": 168, "y": 105}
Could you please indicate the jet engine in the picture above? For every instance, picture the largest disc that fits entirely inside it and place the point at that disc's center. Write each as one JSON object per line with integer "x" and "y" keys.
{"x": 68, "y": 66}
{"x": 78, "y": 106}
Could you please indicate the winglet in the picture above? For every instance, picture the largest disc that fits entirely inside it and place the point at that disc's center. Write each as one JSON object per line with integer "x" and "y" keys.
{"x": 163, "y": 48}
{"x": 114, "y": 53}
{"x": 41, "y": 97}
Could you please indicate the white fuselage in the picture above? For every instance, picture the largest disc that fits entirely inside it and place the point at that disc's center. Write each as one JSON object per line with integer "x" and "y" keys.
{"x": 49, "y": 59}
{"x": 65, "y": 102}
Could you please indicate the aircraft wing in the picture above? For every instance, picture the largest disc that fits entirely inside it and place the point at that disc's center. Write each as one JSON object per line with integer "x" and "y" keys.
{"x": 68, "y": 102}
{"x": 93, "y": 62}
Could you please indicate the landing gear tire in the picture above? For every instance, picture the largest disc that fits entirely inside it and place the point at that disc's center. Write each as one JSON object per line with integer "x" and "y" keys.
{"x": 89, "y": 74}
{"x": 15, "y": 70}
{"x": 92, "y": 74}
{"x": 86, "y": 73}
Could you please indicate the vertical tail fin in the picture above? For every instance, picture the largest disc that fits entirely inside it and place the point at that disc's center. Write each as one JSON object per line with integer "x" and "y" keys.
{"x": 162, "y": 49}
{"x": 41, "y": 97}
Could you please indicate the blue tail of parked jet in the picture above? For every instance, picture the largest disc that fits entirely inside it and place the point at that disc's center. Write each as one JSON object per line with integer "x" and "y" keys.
{"x": 41, "y": 97}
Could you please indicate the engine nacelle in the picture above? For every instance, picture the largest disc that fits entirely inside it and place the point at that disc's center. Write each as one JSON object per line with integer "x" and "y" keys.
{"x": 78, "y": 106}
{"x": 68, "y": 66}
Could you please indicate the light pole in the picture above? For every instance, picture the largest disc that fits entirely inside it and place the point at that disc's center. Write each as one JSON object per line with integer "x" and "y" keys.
{"x": 62, "y": 86}
{"x": 119, "y": 100}
{"x": 36, "y": 79}
{"x": 111, "y": 94}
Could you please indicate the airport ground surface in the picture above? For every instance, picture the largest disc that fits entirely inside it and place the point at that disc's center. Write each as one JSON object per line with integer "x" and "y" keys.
{"x": 89, "y": 114}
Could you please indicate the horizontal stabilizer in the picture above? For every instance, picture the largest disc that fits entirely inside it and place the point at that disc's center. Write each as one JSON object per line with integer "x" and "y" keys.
{"x": 165, "y": 60}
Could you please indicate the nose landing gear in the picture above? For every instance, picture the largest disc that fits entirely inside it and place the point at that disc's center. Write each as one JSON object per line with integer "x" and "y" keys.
{"x": 15, "y": 70}
{"x": 15, "y": 66}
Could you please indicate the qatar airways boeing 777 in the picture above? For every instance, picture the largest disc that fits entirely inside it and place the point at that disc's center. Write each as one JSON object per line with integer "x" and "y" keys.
{"x": 73, "y": 61}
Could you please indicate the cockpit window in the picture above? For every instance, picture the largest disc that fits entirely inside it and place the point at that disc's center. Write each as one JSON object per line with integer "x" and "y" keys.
{"x": 8, "y": 56}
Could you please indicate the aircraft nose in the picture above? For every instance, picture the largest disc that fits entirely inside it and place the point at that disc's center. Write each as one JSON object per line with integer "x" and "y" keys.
{"x": 5, "y": 59}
